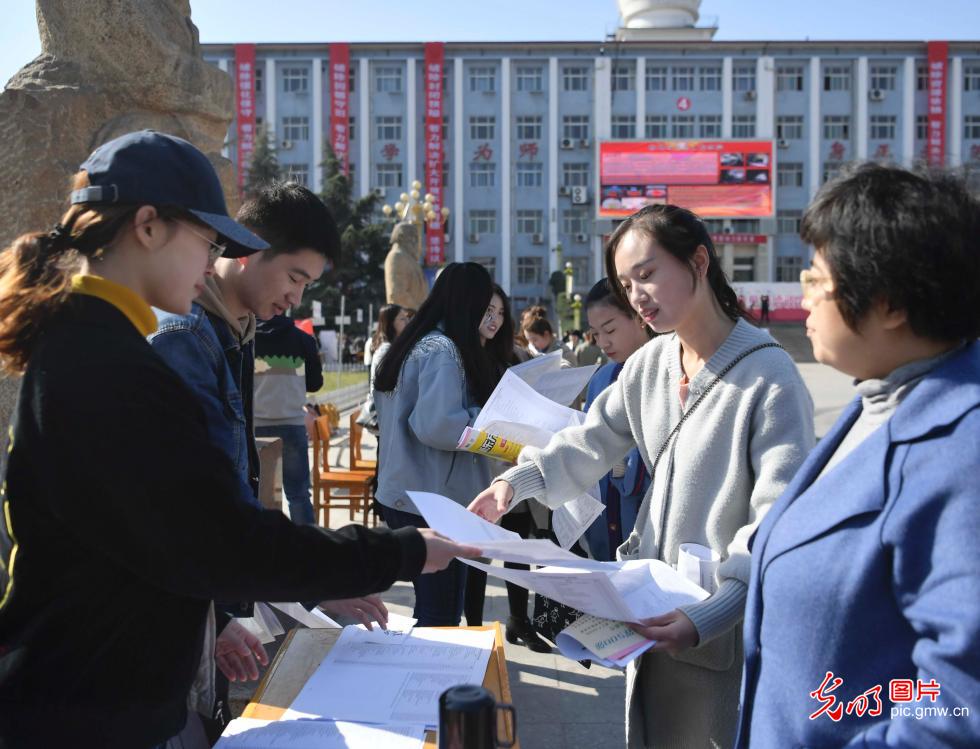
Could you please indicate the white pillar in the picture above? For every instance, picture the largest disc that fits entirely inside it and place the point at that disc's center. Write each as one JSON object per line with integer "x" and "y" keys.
{"x": 955, "y": 129}
{"x": 860, "y": 131}
{"x": 770, "y": 259}
{"x": 271, "y": 122}
{"x": 765, "y": 97}
{"x": 364, "y": 125}
{"x": 411, "y": 157}
{"x": 726, "y": 97}
{"x": 460, "y": 220}
{"x": 223, "y": 66}
{"x": 505, "y": 194}
{"x": 317, "y": 129}
{"x": 816, "y": 126}
{"x": 602, "y": 110}
{"x": 641, "y": 96}
{"x": 908, "y": 112}
{"x": 552, "y": 164}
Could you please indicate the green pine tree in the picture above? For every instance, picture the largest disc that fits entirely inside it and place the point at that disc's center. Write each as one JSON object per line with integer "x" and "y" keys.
{"x": 365, "y": 240}
{"x": 264, "y": 167}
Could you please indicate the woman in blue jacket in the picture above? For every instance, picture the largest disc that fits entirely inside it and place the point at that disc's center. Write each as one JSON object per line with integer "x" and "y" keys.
{"x": 862, "y": 624}
{"x": 429, "y": 387}
{"x": 619, "y": 332}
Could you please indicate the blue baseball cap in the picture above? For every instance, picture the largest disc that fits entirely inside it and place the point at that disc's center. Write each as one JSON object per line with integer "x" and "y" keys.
{"x": 151, "y": 168}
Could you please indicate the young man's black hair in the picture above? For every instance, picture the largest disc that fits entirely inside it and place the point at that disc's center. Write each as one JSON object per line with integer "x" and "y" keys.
{"x": 290, "y": 218}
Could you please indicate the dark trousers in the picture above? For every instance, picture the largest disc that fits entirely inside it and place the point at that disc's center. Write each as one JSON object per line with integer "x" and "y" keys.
{"x": 522, "y": 524}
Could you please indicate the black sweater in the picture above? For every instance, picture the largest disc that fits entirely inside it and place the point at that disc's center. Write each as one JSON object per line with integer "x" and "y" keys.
{"x": 123, "y": 525}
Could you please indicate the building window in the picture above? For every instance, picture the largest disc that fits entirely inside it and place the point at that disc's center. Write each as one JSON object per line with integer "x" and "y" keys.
{"x": 714, "y": 225}
{"x": 789, "y": 77}
{"x": 656, "y": 126}
{"x": 574, "y": 221}
{"x": 483, "y": 222}
{"x": 709, "y": 126}
{"x": 388, "y": 78}
{"x": 351, "y": 178}
{"x": 445, "y": 173}
{"x": 789, "y": 127}
{"x": 351, "y": 78}
{"x": 883, "y": 77}
{"x": 831, "y": 170}
{"x": 575, "y": 175}
{"x": 971, "y": 77}
{"x": 575, "y": 78}
{"x": 530, "y": 174}
{"x": 259, "y": 76}
{"x": 922, "y": 126}
{"x": 683, "y": 126}
{"x": 788, "y": 269}
{"x": 743, "y": 270}
{"x": 530, "y": 222}
{"x": 529, "y": 128}
{"x": 483, "y": 174}
{"x": 656, "y": 78}
{"x": 743, "y": 78}
{"x": 623, "y": 126}
{"x": 388, "y": 128}
{"x": 921, "y": 77}
{"x": 298, "y": 173}
{"x": 483, "y": 128}
{"x": 788, "y": 222}
{"x": 789, "y": 174}
{"x": 351, "y": 128}
{"x": 623, "y": 77}
{"x": 882, "y": 127}
{"x": 484, "y": 79}
{"x": 580, "y": 271}
{"x": 971, "y": 127}
{"x": 837, "y": 78}
{"x": 745, "y": 225}
{"x": 490, "y": 263}
{"x": 682, "y": 78}
{"x": 296, "y": 128}
{"x": 743, "y": 126}
{"x": 837, "y": 127}
{"x": 295, "y": 80}
{"x": 529, "y": 270}
{"x": 388, "y": 175}
{"x": 530, "y": 79}
{"x": 710, "y": 78}
{"x": 575, "y": 126}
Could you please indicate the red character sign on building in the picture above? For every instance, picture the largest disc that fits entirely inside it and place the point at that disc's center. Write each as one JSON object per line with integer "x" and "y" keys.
{"x": 882, "y": 152}
{"x": 434, "y": 58}
{"x": 528, "y": 149}
{"x": 683, "y": 104}
{"x": 389, "y": 151}
{"x": 938, "y": 55}
{"x": 484, "y": 152}
{"x": 837, "y": 151}
{"x": 245, "y": 108}
{"x": 340, "y": 103}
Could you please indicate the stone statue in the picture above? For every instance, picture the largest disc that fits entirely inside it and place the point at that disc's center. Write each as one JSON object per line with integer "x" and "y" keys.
{"x": 405, "y": 283}
{"x": 106, "y": 68}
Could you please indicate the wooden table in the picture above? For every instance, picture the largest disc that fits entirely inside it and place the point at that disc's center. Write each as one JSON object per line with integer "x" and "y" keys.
{"x": 303, "y": 651}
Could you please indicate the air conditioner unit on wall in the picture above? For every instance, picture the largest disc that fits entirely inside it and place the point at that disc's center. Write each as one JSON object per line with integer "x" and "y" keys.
{"x": 750, "y": 95}
{"x": 876, "y": 94}
{"x": 581, "y": 237}
{"x": 537, "y": 238}
{"x": 567, "y": 144}
{"x": 563, "y": 190}
{"x": 474, "y": 238}
{"x": 584, "y": 143}
{"x": 782, "y": 143}
{"x": 580, "y": 195}
{"x": 286, "y": 145}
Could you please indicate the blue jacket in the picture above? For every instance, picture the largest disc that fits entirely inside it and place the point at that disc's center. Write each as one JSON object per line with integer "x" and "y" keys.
{"x": 872, "y": 573}
{"x": 207, "y": 356}
{"x": 631, "y": 487}
{"x": 420, "y": 424}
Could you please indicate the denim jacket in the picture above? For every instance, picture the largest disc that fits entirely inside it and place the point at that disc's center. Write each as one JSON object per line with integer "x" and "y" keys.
{"x": 207, "y": 356}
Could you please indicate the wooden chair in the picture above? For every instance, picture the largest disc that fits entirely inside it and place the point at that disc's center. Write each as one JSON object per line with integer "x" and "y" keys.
{"x": 328, "y": 482}
{"x": 357, "y": 463}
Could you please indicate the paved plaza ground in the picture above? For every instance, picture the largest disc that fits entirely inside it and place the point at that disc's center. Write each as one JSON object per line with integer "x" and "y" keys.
{"x": 560, "y": 703}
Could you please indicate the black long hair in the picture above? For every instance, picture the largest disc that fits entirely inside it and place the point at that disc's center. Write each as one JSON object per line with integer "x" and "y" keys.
{"x": 500, "y": 348}
{"x": 386, "y": 325}
{"x": 457, "y": 303}
{"x": 680, "y": 232}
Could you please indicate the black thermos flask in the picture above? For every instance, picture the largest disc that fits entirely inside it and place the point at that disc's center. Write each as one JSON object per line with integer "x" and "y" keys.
{"x": 468, "y": 719}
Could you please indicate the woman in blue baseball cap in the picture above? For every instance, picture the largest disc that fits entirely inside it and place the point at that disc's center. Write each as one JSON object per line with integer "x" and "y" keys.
{"x": 121, "y": 522}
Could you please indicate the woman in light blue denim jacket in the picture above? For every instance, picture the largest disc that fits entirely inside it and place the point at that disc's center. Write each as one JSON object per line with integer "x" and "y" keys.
{"x": 430, "y": 386}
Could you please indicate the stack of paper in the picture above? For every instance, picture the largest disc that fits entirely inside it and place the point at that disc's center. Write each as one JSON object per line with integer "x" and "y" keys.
{"x": 249, "y": 733}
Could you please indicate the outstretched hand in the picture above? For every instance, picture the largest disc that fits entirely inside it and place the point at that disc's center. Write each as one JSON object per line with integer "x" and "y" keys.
{"x": 492, "y": 503}
{"x": 235, "y": 652}
{"x": 673, "y": 631}
{"x": 440, "y": 551}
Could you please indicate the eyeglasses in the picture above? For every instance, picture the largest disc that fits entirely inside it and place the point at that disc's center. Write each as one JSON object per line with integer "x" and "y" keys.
{"x": 492, "y": 314}
{"x": 814, "y": 283}
{"x": 215, "y": 250}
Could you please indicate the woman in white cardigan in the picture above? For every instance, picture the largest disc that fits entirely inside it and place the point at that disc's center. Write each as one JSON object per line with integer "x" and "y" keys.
{"x": 722, "y": 419}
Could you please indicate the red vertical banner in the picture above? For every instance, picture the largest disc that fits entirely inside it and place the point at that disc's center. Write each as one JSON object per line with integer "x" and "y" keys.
{"x": 245, "y": 108}
{"x": 435, "y": 54}
{"x": 938, "y": 55}
{"x": 340, "y": 104}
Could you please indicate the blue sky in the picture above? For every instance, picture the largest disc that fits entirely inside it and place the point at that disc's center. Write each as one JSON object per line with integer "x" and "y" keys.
{"x": 499, "y": 20}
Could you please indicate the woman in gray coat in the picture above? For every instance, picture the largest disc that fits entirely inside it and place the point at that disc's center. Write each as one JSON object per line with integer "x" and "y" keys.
{"x": 722, "y": 420}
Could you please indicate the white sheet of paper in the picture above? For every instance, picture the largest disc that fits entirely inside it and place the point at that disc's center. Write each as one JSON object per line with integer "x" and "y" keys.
{"x": 398, "y": 681}
{"x": 699, "y": 564}
{"x": 609, "y": 643}
{"x": 263, "y": 623}
{"x": 514, "y": 401}
{"x": 573, "y": 518}
{"x": 250, "y": 733}
{"x": 565, "y": 385}
{"x": 453, "y": 520}
{"x": 535, "y": 368}
{"x": 314, "y": 619}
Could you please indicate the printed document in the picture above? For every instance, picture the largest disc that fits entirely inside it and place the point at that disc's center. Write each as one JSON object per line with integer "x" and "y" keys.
{"x": 249, "y": 733}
